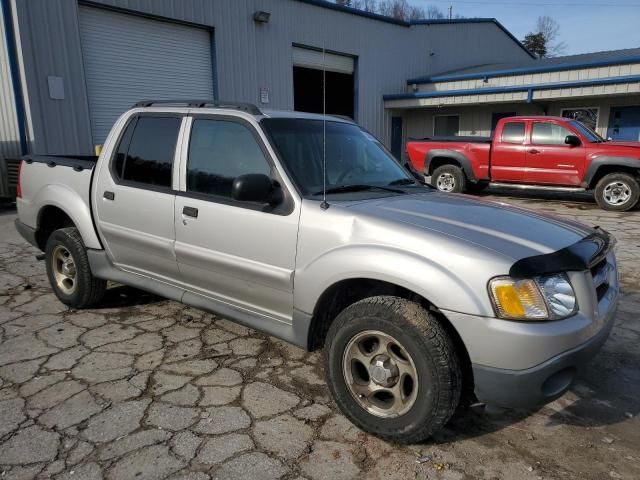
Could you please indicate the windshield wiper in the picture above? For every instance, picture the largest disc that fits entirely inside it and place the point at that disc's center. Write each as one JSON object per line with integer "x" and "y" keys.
{"x": 402, "y": 181}
{"x": 357, "y": 188}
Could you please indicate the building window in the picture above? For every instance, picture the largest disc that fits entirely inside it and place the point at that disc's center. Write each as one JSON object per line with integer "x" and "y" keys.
{"x": 586, "y": 115}
{"x": 446, "y": 125}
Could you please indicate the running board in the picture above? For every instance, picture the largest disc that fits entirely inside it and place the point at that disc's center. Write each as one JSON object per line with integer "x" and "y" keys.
{"x": 536, "y": 187}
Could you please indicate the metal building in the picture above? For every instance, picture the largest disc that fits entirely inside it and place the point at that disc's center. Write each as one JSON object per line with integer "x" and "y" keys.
{"x": 69, "y": 68}
{"x": 601, "y": 89}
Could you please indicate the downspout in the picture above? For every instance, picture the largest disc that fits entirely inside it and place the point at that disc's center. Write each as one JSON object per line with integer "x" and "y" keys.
{"x": 15, "y": 78}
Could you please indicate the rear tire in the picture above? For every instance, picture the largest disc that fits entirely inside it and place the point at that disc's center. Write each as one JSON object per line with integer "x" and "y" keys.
{"x": 449, "y": 179}
{"x": 617, "y": 192}
{"x": 69, "y": 271}
{"x": 392, "y": 369}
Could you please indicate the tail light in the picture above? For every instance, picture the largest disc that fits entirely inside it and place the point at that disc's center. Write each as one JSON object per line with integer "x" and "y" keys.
{"x": 18, "y": 189}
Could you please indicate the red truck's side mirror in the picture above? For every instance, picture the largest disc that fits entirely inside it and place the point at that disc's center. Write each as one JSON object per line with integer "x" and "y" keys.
{"x": 572, "y": 140}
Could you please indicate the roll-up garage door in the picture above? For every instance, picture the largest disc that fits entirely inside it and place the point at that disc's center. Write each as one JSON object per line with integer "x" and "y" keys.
{"x": 308, "y": 58}
{"x": 128, "y": 58}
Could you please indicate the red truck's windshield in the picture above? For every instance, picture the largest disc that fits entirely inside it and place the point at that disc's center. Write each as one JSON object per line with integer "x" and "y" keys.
{"x": 586, "y": 132}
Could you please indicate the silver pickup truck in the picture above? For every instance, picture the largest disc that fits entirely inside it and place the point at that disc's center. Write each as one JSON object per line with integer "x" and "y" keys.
{"x": 306, "y": 228}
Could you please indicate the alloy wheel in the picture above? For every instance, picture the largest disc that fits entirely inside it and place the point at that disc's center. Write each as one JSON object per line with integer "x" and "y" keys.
{"x": 380, "y": 374}
{"x": 617, "y": 193}
{"x": 64, "y": 269}
{"x": 446, "y": 182}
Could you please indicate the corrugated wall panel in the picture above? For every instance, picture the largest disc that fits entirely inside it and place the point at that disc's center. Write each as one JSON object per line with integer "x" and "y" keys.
{"x": 251, "y": 56}
{"x": 129, "y": 58}
{"x": 9, "y": 134}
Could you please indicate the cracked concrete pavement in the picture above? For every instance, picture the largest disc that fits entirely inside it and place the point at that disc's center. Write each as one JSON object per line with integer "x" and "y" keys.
{"x": 146, "y": 388}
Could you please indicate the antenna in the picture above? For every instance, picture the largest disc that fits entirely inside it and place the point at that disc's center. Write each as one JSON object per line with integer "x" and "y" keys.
{"x": 324, "y": 205}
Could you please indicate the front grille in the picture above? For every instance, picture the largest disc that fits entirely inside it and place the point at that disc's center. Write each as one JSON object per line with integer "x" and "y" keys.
{"x": 601, "y": 273}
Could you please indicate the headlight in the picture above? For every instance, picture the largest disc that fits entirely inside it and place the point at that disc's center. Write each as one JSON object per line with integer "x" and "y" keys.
{"x": 550, "y": 297}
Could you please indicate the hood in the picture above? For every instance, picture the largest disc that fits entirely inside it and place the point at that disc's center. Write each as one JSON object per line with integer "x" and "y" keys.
{"x": 506, "y": 230}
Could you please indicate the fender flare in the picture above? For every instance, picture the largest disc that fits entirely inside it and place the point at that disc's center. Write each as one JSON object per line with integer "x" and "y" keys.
{"x": 405, "y": 269}
{"x": 70, "y": 202}
{"x": 452, "y": 154}
{"x": 601, "y": 161}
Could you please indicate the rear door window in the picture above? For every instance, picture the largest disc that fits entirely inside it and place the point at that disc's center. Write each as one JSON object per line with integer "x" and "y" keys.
{"x": 513, "y": 132}
{"x": 146, "y": 151}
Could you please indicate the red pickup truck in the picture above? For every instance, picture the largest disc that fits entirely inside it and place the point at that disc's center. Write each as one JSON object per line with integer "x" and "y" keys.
{"x": 551, "y": 153}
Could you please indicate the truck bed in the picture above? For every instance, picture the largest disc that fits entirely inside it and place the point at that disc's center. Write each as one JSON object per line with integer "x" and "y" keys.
{"x": 77, "y": 162}
{"x": 467, "y": 139}
{"x": 55, "y": 180}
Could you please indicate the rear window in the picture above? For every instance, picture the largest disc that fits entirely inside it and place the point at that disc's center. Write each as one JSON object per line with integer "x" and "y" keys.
{"x": 513, "y": 132}
{"x": 146, "y": 150}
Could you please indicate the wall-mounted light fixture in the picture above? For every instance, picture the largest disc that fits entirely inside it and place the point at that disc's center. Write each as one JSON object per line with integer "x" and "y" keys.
{"x": 261, "y": 16}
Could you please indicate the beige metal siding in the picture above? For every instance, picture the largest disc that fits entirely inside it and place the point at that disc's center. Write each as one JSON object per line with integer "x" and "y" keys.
{"x": 535, "y": 78}
{"x": 9, "y": 134}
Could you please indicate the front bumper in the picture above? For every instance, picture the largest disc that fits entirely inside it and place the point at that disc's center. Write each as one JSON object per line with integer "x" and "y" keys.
{"x": 540, "y": 384}
{"x": 27, "y": 232}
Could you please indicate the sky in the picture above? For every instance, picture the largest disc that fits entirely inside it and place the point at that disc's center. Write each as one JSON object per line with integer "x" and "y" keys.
{"x": 585, "y": 25}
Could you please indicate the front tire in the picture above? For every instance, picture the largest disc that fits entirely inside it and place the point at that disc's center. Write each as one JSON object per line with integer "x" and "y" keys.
{"x": 392, "y": 369}
{"x": 617, "y": 192}
{"x": 69, "y": 272}
{"x": 449, "y": 179}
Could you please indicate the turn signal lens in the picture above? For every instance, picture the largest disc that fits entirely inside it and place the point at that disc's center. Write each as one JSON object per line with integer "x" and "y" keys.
{"x": 517, "y": 299}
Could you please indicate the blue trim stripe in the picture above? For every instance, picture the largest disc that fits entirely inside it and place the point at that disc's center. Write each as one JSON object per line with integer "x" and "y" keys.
{"x": 402, "y": 23}
{"x": 15, "y": 78}
{"x": 515, "y": 88}
{"x": 520, "y": 70}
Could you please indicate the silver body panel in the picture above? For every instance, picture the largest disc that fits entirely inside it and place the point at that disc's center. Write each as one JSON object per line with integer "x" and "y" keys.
{"x": 269, "y": 270}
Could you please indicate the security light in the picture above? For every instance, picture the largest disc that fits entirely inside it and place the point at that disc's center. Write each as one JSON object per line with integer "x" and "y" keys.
{"x": 261, "y": 16}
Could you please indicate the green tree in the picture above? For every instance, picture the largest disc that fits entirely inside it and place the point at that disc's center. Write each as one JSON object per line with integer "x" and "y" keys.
{"x": 536, "y": 44}
{"x": 544, "y": 40}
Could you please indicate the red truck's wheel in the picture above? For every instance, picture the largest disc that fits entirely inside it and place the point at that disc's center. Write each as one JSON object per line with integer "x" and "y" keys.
{"x": 618, "y": 192}
{"x": 449, "y": 178}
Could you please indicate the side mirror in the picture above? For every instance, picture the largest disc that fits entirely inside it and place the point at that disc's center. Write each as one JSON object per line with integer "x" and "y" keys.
{"x": 572, "y": 140}
{"x": 253, "y": 187}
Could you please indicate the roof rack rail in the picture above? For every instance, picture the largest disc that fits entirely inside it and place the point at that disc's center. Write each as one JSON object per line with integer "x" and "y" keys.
{"x": 245, "y": 107}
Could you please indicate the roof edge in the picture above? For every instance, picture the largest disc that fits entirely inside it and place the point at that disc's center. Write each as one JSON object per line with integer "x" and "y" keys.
{"x": 521, "y": 70}
{"x": 513, "y": 88}
{"x": 403, "y": 23}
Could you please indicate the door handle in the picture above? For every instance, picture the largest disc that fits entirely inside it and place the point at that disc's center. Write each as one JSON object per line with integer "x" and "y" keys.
{"x": 190, "y": 212}
{"x": 533, "y": 151}
{"x": 109, "y": 195}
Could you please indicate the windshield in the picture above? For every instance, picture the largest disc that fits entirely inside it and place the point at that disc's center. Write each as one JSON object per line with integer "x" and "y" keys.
{"x": 354, "y": 158}
{"x": 587, "y": 133}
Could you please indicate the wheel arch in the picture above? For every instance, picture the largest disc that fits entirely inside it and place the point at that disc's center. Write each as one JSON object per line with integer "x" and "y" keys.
{"x": 439, "y": 157}
{"x": 604, "y": 165}
{"x": 60, "y": 206}
{"x": 346, "y": 292}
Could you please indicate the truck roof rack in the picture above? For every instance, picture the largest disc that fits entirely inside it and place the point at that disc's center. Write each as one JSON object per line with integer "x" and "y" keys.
{"x": 245, "y": 107}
